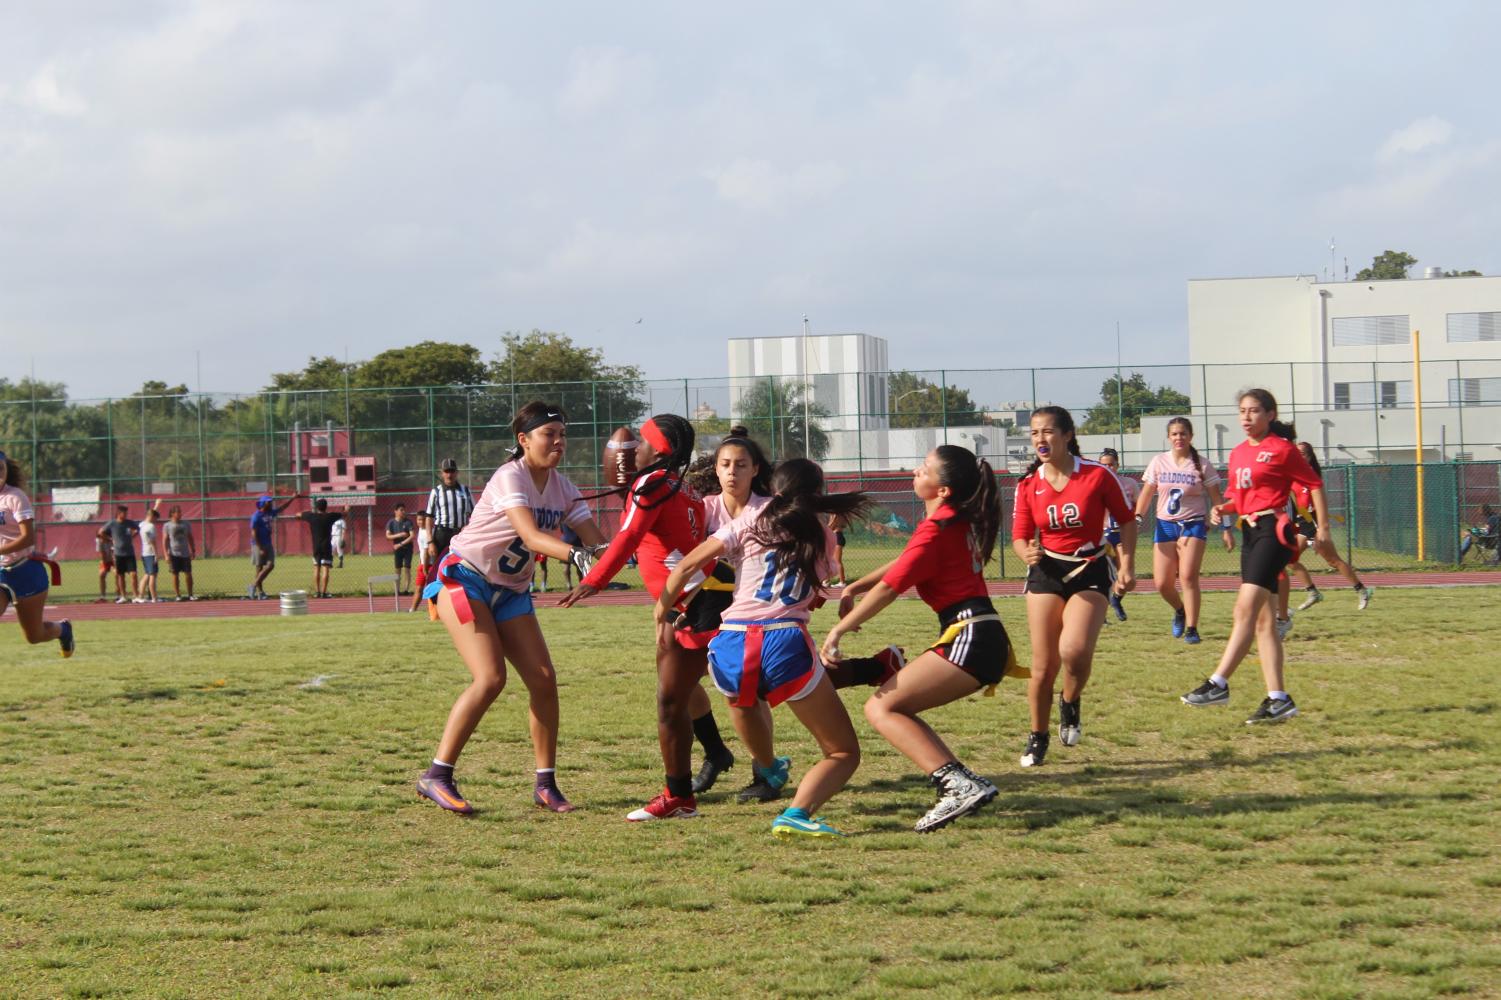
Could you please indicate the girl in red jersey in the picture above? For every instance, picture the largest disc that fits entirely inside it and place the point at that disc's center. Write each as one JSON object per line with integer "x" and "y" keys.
{"x": 781, "y": 553}
{"x": 1062, "y": 504}
{"x": 945, "y": 560}
{"x": 1264, "y": 469}
{"x": 663, "y": 521}
{"x": 1303, "y": 499}
{"x": 23, "y": 575}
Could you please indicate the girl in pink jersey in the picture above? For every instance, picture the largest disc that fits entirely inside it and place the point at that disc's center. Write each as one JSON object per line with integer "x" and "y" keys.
{"x": 781, "y": 554}
{"x": 1185, "y": 486}
{"x": 23, "y": 576}
{"x": 483, "y": 599}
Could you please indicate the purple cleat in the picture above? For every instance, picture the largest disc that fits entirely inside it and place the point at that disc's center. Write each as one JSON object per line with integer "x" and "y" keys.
{"x": 551, "y": 799}
{"x": 445, "y": 793}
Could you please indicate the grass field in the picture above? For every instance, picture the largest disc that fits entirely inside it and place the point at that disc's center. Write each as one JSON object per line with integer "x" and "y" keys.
{"x": 228, "y": 577}
{"x": 183, "y": 816}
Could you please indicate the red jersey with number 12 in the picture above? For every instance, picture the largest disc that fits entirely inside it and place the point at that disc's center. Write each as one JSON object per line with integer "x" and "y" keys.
{"x": 1072, "y": 519}
{"x": 1262, "y": 475}
{"x": 660, "y": 533}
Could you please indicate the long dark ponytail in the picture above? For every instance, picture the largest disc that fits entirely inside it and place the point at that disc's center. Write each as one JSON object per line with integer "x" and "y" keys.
{"x": 1193, "y": 452}
{"x": 1269, "y": 403}
{"x": 792, "y": 524}
{"x": 1307, "y": 452}
{"x": 674, "y": 461}
{"x": 973, "y": 496}
{"x": 1064, "y": 421}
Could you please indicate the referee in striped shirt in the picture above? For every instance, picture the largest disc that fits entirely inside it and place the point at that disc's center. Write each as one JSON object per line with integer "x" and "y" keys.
{"x": 449, "y": 504}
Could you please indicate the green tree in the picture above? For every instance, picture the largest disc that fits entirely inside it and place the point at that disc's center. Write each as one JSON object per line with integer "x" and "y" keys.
{"x": 550, "y": 366}
{"x": 71, "y": 442}
{"x": 1386, "y": 265}
{"x": 430, "y": 363}
{"x": 913, "y": 401}
{"x": 1463, "y": 274}
{"x": 320, "y": 373}
{"x": 773, "y": 411}
{"x": 1138, "y": 399}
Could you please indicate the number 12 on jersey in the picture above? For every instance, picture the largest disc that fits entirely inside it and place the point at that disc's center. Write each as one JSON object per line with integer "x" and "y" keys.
{"x": 1070, "y": 518}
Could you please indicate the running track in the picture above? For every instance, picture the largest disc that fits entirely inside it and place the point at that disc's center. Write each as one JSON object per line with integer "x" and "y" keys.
{"x": 241, "y": 608}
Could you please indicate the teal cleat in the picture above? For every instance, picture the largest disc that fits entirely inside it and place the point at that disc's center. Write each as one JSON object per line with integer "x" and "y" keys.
{"x": 793, "y": 826}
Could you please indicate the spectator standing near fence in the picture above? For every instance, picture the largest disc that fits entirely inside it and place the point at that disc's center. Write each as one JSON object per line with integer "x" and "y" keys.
{"x": 149, "y": 565}
{"x": 320, "y": 525}
{"x": 402, "y": 534}
{"x": 449, "y": 504}
{"x": 121, "y": 534}
{"x": 338, "y": 540}
{"x": 262, "y": 551}
{"x": 107, "y": 561}
{"x": 178, "y": 535}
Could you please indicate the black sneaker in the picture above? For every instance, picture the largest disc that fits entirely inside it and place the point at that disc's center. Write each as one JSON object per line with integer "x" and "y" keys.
{"x": 1273, "y": 710}
{"x": 1037, "y": 749}
{"x": 1208, "y": 693}
{"x": 710, "y": 772}
{"x": 1069, "y": 724}
{"x": 1120, "y": 609}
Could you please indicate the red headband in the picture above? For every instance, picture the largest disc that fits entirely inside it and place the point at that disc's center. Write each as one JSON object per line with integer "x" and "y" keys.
{"x": 653, "y": 436}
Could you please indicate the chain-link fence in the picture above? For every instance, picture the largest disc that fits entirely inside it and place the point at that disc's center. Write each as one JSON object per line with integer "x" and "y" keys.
{"x": 210, "y": 454}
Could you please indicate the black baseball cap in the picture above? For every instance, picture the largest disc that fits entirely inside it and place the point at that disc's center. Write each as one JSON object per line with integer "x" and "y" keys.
{"x": 448, "y": 465}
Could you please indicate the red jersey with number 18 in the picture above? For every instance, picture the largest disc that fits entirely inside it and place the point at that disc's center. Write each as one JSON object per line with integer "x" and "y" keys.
{"x": 1262, "y": 475}
{"x": 1072, "y": 519}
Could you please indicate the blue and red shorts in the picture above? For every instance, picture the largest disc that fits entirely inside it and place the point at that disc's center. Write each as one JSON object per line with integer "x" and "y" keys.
{"x": 26, "y": 578}
{"x": 773, "y": 661}
{"x": 459, "y": 578}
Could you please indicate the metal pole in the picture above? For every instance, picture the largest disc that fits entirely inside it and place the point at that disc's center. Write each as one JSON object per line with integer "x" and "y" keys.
{"x": 807, "y": 392}
{"x": 1120, "y": 396}
{"x": 943, "y": 401}
{"x": 1376, "y": 410}
{"x": 1417, "y": 410}
{"x": 1459, "y": 402}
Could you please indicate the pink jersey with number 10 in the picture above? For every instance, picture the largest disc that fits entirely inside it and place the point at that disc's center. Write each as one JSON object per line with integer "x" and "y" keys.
{"x": 765, "y": 590}
{"x": 489, "y": 541}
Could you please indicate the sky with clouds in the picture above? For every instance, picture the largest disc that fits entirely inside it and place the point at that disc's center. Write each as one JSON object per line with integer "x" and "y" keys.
{"x": 240, "y": 184}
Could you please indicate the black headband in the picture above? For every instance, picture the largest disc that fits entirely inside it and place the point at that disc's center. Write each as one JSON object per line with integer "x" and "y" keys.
{"x": 541, "y": 420}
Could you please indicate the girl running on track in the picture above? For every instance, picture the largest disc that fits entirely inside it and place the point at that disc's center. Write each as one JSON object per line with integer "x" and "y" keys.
{"x": 1264, "y": 469}
{"x": 945, "y": 560}
{"x": 662, "y": 521}
{"x": 1111, "y": 459}
{"x": 1185, "y": 486}
{"x": 1308, "y": 529}
{"x": 1061, "y": 505}
{"x": 482, "y": 599}
{"x": 781, "y": 553}
{"x": 23, "y": 576}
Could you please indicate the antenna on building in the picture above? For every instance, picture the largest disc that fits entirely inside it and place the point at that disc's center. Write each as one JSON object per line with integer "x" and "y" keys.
{"x": 1347, "y": 268}
{"x": 1331, "y": 272}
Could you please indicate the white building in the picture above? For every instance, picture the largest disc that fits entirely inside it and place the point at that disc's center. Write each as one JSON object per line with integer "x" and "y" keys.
{"x": 1339, "y": 358}
{"x": 847, "y": 373}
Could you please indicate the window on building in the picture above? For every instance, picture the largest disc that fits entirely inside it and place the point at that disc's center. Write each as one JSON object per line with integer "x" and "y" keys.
{"x": 1474, "y": 391}
{"x": 1369, "y": 395}
{"x": 1473, "y": 328}
{"x": 1370, "y": 331}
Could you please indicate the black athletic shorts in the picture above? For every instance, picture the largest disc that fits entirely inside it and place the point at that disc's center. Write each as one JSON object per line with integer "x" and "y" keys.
{"x": 979, "y": 648}
{"x": 839, "y": 539}
{"x": 323, "y": 554}
{"x": 125, "y": 564}
{"x": 704, "y": 611}
{"x": 1308, "y": 526}
{"x": 441, "y": 537}
{"x": 1262, "y": 556}
{"x": 403, "y": 557}
{"x": 1047, "y": 577}
{"x": 181, "y": 564}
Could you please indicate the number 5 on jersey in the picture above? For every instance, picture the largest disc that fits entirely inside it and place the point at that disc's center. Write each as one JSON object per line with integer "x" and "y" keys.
{"x": 514, "y": 559}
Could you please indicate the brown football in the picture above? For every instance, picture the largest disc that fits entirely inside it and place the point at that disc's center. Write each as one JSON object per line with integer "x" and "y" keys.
{"x": 620, "y": 458}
